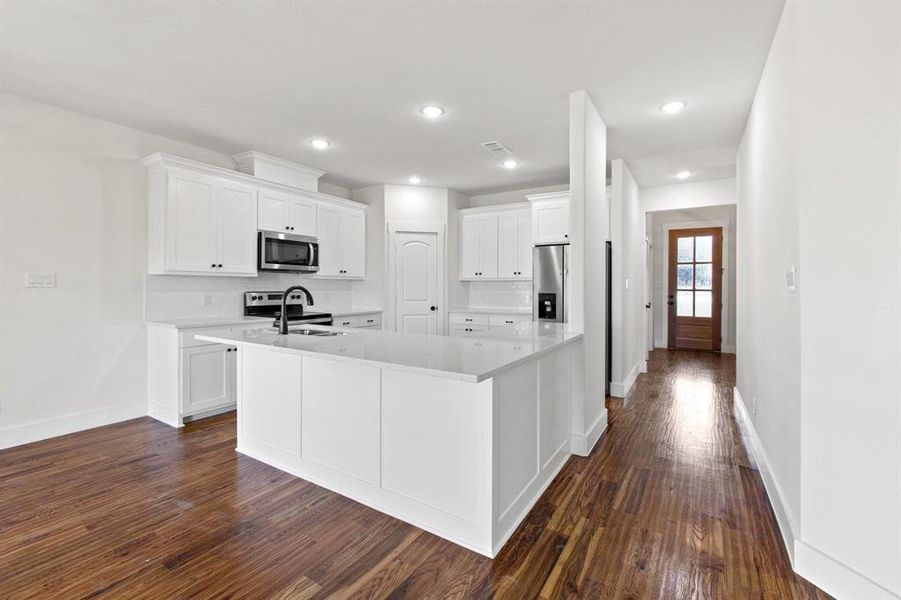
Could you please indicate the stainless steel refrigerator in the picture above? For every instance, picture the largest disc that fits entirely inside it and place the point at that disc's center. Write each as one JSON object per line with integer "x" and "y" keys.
{"x": 549, "y": 271}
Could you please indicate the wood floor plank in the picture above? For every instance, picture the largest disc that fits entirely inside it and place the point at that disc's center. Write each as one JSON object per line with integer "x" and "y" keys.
{"x": 668, "y": 505}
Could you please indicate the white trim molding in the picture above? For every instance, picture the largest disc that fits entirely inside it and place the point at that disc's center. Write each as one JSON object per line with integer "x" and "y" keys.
{"x": 49, "y": 428}
{"x": 833, "y": 577}
{"x": 788, "y": 524}
{"x": 583, "y": 443}
{"x": 620, "y": 389}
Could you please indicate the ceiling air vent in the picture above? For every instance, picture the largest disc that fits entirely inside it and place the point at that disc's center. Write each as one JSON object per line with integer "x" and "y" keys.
{"x": 497, "y": 149}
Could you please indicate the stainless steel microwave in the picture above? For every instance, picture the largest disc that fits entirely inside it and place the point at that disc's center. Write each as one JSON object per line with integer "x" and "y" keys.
{"x": 287, "y": 252}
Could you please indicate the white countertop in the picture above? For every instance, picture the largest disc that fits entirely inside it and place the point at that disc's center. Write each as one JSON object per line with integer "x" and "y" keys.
{"x": 470, "y": 359}
{"x": 492, "y": 311}
{"x": 228, "y": 320}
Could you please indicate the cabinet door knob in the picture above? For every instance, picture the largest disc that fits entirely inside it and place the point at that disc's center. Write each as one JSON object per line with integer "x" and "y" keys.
{"x": 220, "y": 266}
{"x": 433, "y": 308}
{"x": 213, "y": 266}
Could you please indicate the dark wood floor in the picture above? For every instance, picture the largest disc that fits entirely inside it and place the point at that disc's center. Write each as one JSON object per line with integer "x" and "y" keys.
{"x": 667, "y": 506}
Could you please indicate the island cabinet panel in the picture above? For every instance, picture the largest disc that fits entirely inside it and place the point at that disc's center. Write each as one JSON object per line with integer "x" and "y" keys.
{"x": 269, "y": 402}
{"x": 517, "y": 433}
{"x": 553, "y": 406}
{"x": 340, "y": 417}
{"x": 436, "y": 443}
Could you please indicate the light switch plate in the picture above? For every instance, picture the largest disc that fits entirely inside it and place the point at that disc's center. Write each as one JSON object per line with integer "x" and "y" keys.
{"x": 790, "y": 279}
{"x": 42, "y": 280}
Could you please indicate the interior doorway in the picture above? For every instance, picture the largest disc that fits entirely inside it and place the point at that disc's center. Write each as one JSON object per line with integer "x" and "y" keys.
{"x": 695, "y": 288}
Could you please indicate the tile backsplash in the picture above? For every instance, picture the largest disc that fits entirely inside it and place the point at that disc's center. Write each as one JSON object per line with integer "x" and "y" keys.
{"x": 500, "y": 294}
{"x": 181, "y": 296}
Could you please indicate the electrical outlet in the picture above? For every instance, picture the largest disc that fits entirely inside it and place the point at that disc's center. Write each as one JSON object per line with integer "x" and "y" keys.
{"x": 206, "y": 300}
{"x": 754, "y": 406}
{"x": 790, "y": 279}
{"x": 42, "y": 280}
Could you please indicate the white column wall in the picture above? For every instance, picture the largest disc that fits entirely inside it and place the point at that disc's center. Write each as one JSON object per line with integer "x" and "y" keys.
{"x": 588, "y": 215}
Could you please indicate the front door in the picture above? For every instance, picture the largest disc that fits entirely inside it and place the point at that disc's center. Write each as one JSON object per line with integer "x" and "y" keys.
{"x": 695, "y": 284}
{"x": 416, "y": 281}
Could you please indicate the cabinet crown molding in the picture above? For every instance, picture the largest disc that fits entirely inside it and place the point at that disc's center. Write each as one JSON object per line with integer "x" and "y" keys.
{"x": 561, "y": 195}
{"x": 247, "y": 159}
{"x": 164, "y": 160}
{"x": 494, "y": 208}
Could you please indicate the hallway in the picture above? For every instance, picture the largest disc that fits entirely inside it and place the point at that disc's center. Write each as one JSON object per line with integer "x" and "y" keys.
{"x": 667, "y": 506}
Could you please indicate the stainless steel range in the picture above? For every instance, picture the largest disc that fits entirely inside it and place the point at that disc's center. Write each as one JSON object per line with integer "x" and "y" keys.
{"x": 269, "y": 304}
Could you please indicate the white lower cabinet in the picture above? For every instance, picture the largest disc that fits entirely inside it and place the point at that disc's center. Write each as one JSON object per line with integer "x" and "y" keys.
{"x": 208, "y": 377}
{"x": 361, "y": 321}
{"x": 474, "y": 324}
{"x": 189, "y": 378}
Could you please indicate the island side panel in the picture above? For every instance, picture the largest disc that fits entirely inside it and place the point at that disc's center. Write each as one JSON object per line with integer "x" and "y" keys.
{"x": 437, "y": 451}
{"x": 269, "y": 406}
{"x": 428, "y": 437}
{"x": 532, "y": 424}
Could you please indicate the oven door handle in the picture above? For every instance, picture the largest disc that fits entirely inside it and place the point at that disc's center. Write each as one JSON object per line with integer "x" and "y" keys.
{"x": 314, "y": 260}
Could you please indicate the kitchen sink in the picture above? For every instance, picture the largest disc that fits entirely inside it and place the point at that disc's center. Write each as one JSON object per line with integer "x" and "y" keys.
{"x": 316, "y": 332}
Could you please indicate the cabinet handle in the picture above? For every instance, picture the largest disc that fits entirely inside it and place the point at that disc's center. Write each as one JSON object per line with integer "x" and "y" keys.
{"x": 566, "y": 235}
{"x": 213, "y": 266}
{"x": 219, "y": 266}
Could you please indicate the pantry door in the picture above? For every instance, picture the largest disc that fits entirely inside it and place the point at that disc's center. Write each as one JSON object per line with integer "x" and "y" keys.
{"x": 417, "y": 271}
{"x": 695, "y": 288}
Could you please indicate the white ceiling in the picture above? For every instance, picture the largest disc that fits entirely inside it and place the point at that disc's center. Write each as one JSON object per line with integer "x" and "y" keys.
{"x": 233, "y": 76}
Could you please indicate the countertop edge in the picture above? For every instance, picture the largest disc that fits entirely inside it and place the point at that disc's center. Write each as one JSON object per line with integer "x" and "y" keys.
{"x": 464, "y": 377}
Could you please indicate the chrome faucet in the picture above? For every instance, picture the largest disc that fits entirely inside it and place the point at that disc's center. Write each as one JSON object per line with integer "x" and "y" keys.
{"x": 283, "y": 321}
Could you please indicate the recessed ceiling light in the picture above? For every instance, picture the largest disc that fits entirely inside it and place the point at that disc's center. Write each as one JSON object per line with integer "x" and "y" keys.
{"x": 683, "y": 175}
{"x": 415, "y": 180}
{"x": 320, "y": 144}
{"x": 432, "y": 111}
{"x": 673, "y": 107}
{"x": 510, "y": 163}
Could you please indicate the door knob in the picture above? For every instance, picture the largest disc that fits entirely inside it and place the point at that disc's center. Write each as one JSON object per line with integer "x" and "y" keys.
{"x": 433, "y": 308}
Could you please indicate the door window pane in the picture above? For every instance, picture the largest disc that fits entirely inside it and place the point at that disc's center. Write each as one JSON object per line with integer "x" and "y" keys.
{"x": 703, "y": 304}
{"x": 686, "y": 249}
{"x": 704, "y": 248}
{"x": 703, "y": 276}
{"x": 684, "y": 306}
{"x": 684, "y": 276}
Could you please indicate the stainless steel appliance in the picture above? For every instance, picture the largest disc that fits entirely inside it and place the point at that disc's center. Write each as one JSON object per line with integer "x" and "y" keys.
{"x": 269, "y": 304}
{"x": 287, "y": 252}
{"x": 549, "y": 270}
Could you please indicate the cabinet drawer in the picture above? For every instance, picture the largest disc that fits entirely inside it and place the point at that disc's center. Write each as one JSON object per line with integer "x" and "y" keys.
{"x": 372, "y": 320}
{"x": 508, "y": 320}
{"x": 464, "y": 330}
{"x": 469, "y": 320}
{"x": 352, "y": 321}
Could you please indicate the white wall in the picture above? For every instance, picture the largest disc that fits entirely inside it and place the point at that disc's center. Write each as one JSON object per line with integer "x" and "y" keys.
{"x": 659, "y": 225}
{"x": 588, "y": 215}
{"x": 819, "y": 189}
{"x": 371, "y": 291}
{"x": 693, "y": 194}
{"x": 513, "y": 196}
{"x": 457, "y": 294}
{"x": 73, "y": 200}
{"x": 627, "y": 237}
{"x": 334, "y": 189}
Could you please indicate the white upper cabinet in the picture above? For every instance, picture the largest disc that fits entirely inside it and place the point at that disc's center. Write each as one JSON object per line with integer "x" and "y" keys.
{"x": 287, "y": 212}
{"x": 550, "y": 218}
{"x": 189, "y": 222}
{"x": 236, "y": 235}
{"x": 496, "y": 243}
{"x": 342, "y": 241}
{"x": 203, "y": 220}
{"x": 209, "y": 226}
{"x": 478, "y": 245}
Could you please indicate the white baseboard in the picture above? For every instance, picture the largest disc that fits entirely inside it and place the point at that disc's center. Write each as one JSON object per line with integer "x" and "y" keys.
{"x": 788, "y": 525}
{"x": 833, "y": 577}
{"x": 619, "y": 389}
{"x": 727, "y": 349}
{"x": 582, "y": 444}
{"x": 42, "y": 430}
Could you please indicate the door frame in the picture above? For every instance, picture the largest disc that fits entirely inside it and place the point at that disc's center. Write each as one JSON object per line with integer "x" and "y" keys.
{"x": 437, "y": 228}
{"x": 725, "y": 224}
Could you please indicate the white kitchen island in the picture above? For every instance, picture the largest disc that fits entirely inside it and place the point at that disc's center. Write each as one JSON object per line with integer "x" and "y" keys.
{"x": 458, "y": 436}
